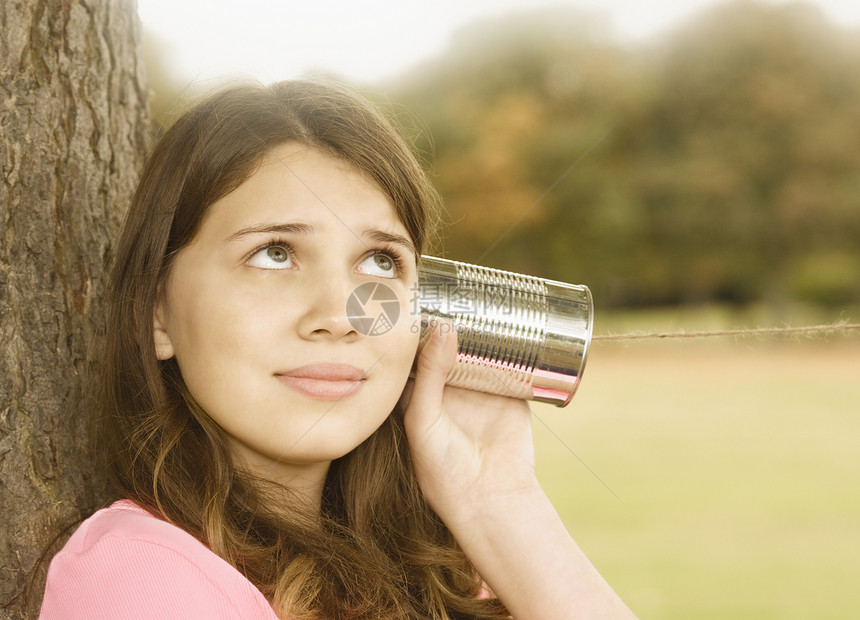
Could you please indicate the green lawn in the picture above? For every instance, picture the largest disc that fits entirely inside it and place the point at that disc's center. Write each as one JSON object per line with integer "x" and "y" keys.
{"x": 736, "y": 466}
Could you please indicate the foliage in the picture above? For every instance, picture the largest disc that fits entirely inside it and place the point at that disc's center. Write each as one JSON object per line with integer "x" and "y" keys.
{"x": 730, "y": 172}
{"x": 719, "y": 163}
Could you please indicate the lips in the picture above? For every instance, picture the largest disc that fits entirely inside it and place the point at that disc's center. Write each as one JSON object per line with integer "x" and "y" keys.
{"x": 325, "y": 381}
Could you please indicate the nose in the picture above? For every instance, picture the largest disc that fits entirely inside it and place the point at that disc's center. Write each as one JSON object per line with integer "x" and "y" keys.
{"x": 325, "y": 315}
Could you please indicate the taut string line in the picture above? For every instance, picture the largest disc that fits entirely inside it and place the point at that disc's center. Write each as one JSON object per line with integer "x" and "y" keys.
{"x": 840, "y": 327}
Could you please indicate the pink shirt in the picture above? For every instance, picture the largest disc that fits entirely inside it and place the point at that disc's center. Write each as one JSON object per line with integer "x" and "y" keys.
{"x": 123, "y": 562}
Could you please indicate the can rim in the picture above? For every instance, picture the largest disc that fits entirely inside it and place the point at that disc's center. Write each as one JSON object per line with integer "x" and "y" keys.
{"x": 586, "y": 346}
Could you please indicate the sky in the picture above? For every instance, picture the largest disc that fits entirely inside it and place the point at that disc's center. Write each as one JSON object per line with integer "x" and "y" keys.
{"x": 367, "y": 40}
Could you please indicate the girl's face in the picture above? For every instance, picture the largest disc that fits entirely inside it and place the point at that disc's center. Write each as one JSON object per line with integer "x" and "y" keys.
{"x": 255, "y": 311}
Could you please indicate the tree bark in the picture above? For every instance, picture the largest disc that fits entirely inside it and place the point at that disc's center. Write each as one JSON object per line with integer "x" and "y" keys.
{"x": 73, "y": 132}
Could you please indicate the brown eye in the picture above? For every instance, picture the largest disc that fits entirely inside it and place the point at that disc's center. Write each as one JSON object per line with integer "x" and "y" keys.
{"x": 379, "y": 265}
{"x": 278, "y": 254}
{"x": 383, "y": 262}
{"x": 272, "y": 257}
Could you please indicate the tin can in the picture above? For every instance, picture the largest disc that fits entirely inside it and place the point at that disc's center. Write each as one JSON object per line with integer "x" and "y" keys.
{"x": 517, "y": 335}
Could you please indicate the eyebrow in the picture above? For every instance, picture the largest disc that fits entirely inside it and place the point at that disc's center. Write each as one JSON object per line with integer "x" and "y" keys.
{"x": 287, "y": 229}
{"x": 371, "y": 235}
{"x": 379, "y": 236}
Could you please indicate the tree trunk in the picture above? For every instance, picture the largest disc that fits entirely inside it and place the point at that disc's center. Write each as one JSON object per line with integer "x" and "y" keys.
{"x": 73, "y": 131}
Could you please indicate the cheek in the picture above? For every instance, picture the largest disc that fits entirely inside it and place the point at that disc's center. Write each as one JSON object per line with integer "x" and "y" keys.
{"x": 402, "y": 347}
{"x": 213, "y": 328}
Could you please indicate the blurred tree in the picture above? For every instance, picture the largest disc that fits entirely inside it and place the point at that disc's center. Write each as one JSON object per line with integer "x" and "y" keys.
{"x": 73, "y": 121}
{"x": 758, "y": 115}
{"x": 488, "y": 102}
{"x": 732, "y": 168}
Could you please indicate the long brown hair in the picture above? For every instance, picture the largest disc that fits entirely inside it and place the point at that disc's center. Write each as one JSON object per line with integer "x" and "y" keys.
{"x": 382, "y": 552}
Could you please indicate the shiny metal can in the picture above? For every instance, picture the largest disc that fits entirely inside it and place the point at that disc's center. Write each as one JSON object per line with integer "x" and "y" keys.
{"x": 517, "y": 335}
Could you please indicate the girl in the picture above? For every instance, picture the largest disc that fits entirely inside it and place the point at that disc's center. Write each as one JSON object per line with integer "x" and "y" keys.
{"x": 271, "y": 460}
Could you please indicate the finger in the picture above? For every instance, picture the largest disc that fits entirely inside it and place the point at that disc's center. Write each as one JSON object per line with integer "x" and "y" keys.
{"x": 435, "y": 361}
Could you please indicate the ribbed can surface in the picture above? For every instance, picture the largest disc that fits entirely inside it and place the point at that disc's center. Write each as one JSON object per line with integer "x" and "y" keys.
{"x": 517, "y": 335}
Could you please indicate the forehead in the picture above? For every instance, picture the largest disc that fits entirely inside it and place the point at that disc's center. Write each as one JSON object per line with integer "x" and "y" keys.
{"x": 295, "y": 182}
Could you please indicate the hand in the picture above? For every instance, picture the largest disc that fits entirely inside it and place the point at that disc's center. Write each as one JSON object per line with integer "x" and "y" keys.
{"x": 471, "y": 450}
{"x": 474, "y": 459}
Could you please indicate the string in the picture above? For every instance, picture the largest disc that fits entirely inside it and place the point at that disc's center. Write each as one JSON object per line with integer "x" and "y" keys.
{"x": 808, "y": 330}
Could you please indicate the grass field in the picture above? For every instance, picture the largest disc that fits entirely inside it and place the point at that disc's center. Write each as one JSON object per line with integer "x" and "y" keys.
{"x": 715, "y": 479}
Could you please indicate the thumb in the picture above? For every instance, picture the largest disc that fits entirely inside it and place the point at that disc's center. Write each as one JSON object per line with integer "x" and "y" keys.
{"x": 435, "y": 361}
